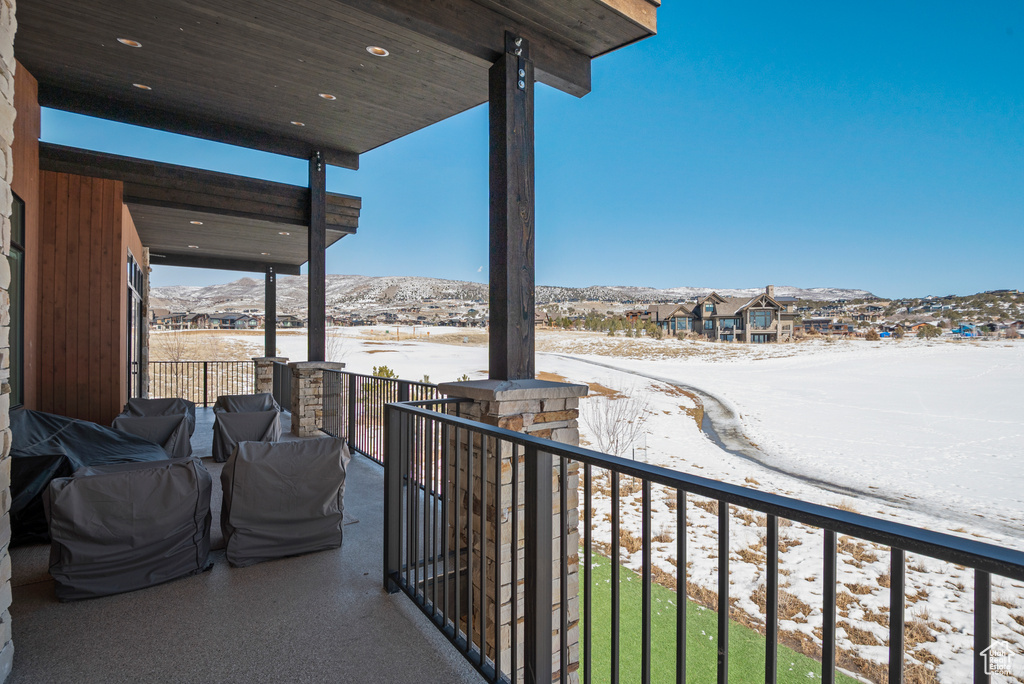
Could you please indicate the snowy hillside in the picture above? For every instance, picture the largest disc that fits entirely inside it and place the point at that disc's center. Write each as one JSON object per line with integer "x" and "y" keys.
{"x": 353, "y": 292}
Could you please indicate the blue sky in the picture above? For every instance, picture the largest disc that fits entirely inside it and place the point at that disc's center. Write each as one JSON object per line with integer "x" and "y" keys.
{"x": 866, "y": 145}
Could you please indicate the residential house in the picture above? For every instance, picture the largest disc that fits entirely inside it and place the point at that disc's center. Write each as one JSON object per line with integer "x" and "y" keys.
{"x": 825, "y": 325}
{"x": 757, "y": 319}
{"x": 288, "y": 321}
{"x": 233, "y": 321}
{"x": 196, "y": 321}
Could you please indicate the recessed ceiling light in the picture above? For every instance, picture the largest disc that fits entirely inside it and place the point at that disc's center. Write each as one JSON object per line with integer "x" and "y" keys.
{"x": 193, "y": 246}
{"x": 265, "y": 253}
{"x": 196, "y": 223}
{"x": 284, "y": 232}
{"x": 328, "y": 96}
{"x": 297, "y": 123}
{"x": 377, "y": 51}
{"x": 129, "y": 42}
{"x": 141, "y": 86}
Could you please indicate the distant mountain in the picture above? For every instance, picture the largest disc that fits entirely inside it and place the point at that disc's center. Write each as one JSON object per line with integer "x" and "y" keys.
{"x": 360, "y": 293}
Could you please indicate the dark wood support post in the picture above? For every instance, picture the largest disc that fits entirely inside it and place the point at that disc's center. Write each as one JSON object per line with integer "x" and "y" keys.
{"x": 317, "y": 309}
{"x": 270, "y": 310}
{"x": 512, "y": 214}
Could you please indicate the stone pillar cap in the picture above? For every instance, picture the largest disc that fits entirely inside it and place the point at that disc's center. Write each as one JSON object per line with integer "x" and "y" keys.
{"x": 317, "y": 365}
{"x": 277, "y": 359}
{"x": 512, "y": 390}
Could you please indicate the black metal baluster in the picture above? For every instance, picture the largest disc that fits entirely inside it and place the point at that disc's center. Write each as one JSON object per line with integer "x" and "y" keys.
{"x": 445, "y": 522}
{"x": 645, "y": 531}
{"x": 430, "y": 513}
{"x": 723, "y": 592}
{"x": 588, "y": 587}
{"x": 828, "y": 610}
{"x": 497, "y": 557}
{"x": 897, "y": 601}
{"x": 457, "y": 537}
{"x": 982, "y": 624}
{"x": 681, "y": 599}
{"x": 615, "y": 578}
{"x": 771, "y": 637}
{"x": 470, "y": 457}
{"x": 483, "y": 548}
{"x": 563, "y": 566}
{"x": 514, "y": 665}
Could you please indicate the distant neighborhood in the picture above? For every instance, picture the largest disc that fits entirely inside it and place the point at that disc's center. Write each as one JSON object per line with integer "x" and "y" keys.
{"x": 764, "y": 317}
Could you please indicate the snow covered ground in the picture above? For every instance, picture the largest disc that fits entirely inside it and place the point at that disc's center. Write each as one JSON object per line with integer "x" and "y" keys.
{"x": 930, "y": 434}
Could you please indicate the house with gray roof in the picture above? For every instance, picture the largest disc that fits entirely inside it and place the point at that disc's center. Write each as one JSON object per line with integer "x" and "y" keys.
{"x": 757, "y": 319}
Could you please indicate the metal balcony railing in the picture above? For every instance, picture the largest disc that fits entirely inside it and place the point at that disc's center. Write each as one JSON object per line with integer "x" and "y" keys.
{"x": 448, "y": 511}
{"x": 200, "y": 381}
{"x": 282, "y": 385}
{"x": 354, "y": 407}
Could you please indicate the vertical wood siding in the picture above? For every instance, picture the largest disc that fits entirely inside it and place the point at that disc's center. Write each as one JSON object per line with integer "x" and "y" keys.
{"x": 83, "y": 323}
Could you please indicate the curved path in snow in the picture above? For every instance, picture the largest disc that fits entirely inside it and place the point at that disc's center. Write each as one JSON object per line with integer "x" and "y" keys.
{"x": 723, "y": 426}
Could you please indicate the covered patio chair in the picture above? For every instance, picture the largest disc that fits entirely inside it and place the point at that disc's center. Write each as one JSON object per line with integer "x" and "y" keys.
{"x": 283, "y": 499}
{"x": 149, "y": 408}
{"x": 124, "y": 527}
{"x": 231, "y": 428}
{"x": 169, "y": 431}
{"x": 246, "y": 403}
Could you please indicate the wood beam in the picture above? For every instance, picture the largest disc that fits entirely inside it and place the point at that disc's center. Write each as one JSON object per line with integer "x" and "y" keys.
{"x": 270, "y": 313}
{"x": 512, "y": 214}
{"x": 220, "y": 263}
{"x": 317, "y": 281}
{"x": 186, "y": 123}
{"x": 470, "y": 27}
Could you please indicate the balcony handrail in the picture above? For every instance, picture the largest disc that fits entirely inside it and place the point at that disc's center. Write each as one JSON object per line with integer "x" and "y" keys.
{"x": 990, "y": 558}
{"x": 200, "y": 381}
{"x": 429, "y": 563}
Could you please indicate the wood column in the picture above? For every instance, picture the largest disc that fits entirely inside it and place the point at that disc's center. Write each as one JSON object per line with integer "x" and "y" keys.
{"x": 270, "y": 310}
{"x": 317, "y": 309}
{"x": 512, "y": 214}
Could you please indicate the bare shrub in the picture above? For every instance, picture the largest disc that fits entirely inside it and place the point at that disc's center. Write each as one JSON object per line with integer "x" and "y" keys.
{"x": 615, "y": 425}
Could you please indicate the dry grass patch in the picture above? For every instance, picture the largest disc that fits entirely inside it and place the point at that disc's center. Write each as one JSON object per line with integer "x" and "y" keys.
{"x": 709, "y": 505}
{"x": 860, "y": 589}
{"x": 857, "y": 550}
{"x": 630, "y": 541}
{"x": 859, "y": 636}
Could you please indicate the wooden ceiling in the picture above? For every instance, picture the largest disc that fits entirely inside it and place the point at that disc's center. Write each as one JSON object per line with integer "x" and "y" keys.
{"x": 191, "y": 217}
{"x": 242, "y": 71}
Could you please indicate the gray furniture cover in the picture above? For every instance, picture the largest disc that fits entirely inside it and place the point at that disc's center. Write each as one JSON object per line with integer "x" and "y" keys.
{"x": 231, "y": 428}
{"x": 242, "y": 403}
{"x": 283, "y": 499}
{"x": 124, "y": 527}
{"x": 45, "y": 446}
{"x": 170, "y": 432}
{"x": 148, "y": 408}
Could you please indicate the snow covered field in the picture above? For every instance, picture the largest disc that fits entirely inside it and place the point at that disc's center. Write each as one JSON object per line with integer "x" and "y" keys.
{"x": 930, "y": 434}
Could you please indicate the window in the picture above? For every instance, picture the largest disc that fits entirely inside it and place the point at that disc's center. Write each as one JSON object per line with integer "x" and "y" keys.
{"x": 708, "y": 325}
{"x": 16, "y": 291}
{"x": 761, "y": 319}
{"x": 136, "y": 321}
{"x": 709, "y": 308}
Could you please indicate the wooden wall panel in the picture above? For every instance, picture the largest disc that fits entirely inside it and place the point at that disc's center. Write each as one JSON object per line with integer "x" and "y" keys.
{"x": 25, "y": 184}
{"x": 82, "y": 322}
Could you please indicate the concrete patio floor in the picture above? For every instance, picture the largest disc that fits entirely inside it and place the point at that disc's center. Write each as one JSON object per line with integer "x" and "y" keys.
{"x": 321, "y": 617}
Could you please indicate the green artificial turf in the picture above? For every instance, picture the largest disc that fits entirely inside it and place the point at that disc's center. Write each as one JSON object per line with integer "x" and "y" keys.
{"x": 746, "y": 646}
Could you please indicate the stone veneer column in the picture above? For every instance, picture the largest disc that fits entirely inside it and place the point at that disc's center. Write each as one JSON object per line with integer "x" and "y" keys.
{"x": 543, "y": 409}
{"x": 8, "y": 26}
{"x": 265, "y": 373}
{"x": 308, "y": 395}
